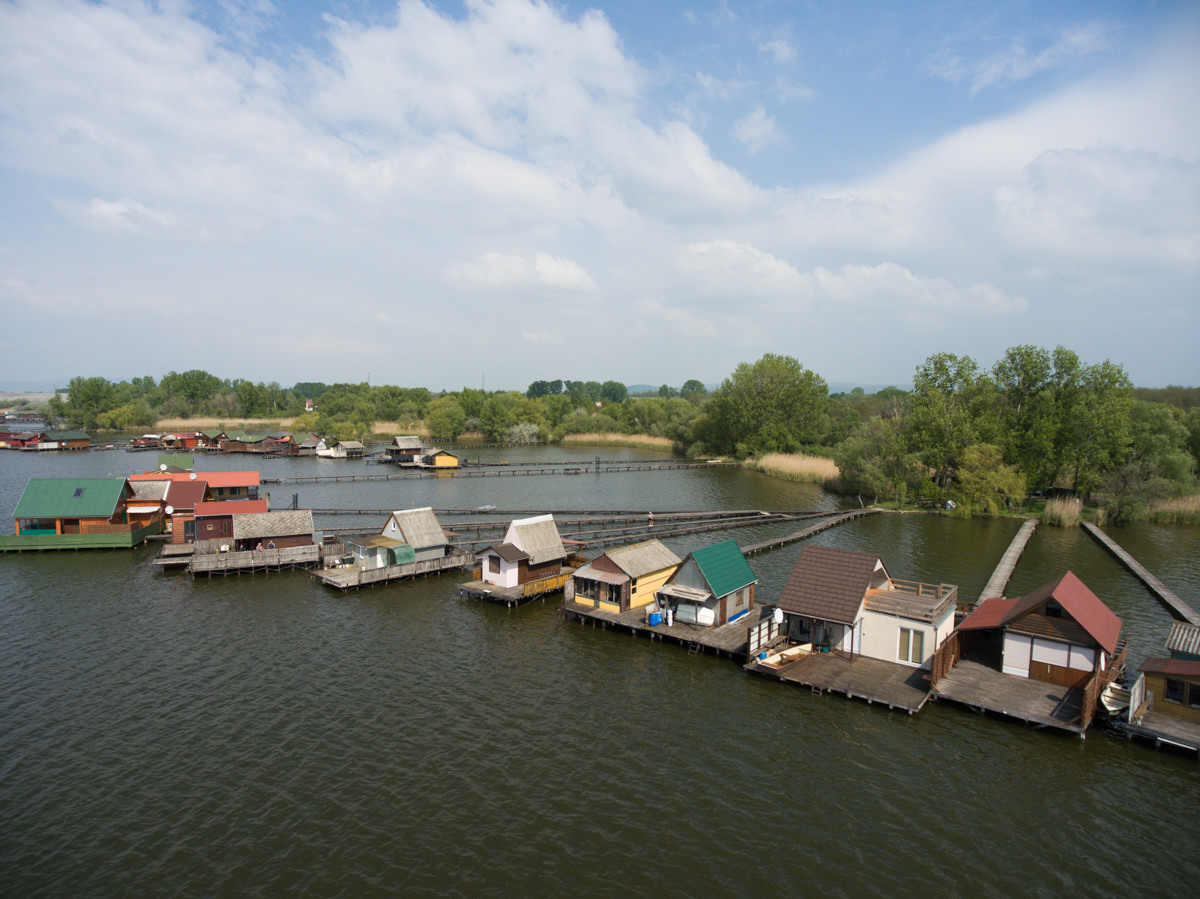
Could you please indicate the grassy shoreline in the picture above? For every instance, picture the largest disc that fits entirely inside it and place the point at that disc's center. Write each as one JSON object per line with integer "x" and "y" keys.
{"x": 640, "y": 441}
{"x": 797, "y": 467}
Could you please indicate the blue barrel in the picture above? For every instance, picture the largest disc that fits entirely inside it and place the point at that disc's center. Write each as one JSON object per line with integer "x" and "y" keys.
{"x": 655, "y": 619}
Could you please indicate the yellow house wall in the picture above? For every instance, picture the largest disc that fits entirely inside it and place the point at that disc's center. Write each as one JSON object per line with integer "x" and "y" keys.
{"x": 646, "y": 586}
{"x": 445, "y": 462}
{"x": 1157, "y": 683}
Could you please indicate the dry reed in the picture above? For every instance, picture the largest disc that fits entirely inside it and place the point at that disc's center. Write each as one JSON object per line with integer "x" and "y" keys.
{"x": 643, "y": 441}
{"x": 797, "y": 467}
{"x": 1064, "y": 513}
{"x": 1177, "y": 510}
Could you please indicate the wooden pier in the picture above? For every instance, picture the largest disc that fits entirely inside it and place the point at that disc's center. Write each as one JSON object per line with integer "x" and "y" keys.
{"x": 1178, "y": 607}
{"x": 834, "y": 520}
{"x": 728, "y": 640}
{"x": 878, "y": 682}
{"x": 505, "y": 471}
{"x": 1033, "y": 702}
{"x": 1000, "y": 577}
{"x": 349, "y": 577}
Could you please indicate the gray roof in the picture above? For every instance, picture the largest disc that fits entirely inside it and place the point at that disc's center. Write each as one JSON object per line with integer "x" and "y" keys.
{"x": 351, "y": 444}
{"x": 643, "y": 558}
{"x": 420, "y": 527}
{"x": 829, "y": 583}
{"x": 408, "y": 443}
{"x": 539, "y": 537}
{"x": 1184, "y": 638}
{"x": 256, "y": 525}
{"x": 150, "y": 490}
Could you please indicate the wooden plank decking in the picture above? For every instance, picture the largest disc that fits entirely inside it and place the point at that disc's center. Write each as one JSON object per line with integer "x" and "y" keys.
{"x": 512, "y": 596}
{"x": 1000, "y": 577}
{"x": 251, "y": 561}
{"x": 887, "y": 683}
{"x": 1165, "y": 730}
{"x": 1034, "y": 702}
{"x": 350, "y": 578}
{"x": 1177, "y": 606}
{"x": 728, "y": 639}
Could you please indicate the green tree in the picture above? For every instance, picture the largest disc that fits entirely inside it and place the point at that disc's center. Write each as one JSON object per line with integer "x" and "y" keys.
{"x": 1092, "y": 403}
{"x": 940, "y": 415}
{"x": 87, "y": 398}
{"x": 772, "y": 404}
{"x": 445, "y": 417}
{"x": 983, "y": 484}
{"x": 693, "y": 390}
{"x": 1025, "y": 397}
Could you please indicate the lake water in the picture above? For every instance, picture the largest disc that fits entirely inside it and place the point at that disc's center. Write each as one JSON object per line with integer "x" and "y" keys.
{"x": 263, "y": 735}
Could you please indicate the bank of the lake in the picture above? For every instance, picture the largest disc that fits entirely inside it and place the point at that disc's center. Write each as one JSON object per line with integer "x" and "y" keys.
{"x": 264, "y": 734}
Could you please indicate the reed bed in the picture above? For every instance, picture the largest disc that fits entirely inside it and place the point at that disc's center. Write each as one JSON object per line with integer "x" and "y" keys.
{"x": 797, "y": 467}
{"x": 1065, "y": 513}
{"x": 1177, "y": 510}
{"x": 642, "y": 441}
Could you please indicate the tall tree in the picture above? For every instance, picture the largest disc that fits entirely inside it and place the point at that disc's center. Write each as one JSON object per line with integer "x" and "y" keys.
{"x": 775, "y": 404}
{"x": 1024, "y": 381}
{"x": 940, "y": 414}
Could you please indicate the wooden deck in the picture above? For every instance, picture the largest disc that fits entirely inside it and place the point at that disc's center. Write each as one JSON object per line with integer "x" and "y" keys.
{"x": 1165, "y": 730}
{"x": 1033, "y": 702}
{"x": 350, "y": 578}
{"x": 253, "y": 561}
{"x": 886, "y": 683}
{"x": 1000, "y": 577}
{"x": 728, "y": 640}
{"x": 175, "y": 555}
{"x": 512, "y": 596}
{"x": 1177, "y": 606}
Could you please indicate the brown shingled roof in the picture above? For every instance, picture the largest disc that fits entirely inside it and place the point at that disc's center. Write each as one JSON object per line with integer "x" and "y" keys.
{"x": 829, "y": 583}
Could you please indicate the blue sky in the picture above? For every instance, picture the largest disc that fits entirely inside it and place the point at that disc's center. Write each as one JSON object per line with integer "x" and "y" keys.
{"x": 444, "y": 194}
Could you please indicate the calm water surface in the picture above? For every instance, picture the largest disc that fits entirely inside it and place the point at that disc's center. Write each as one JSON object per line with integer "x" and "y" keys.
{"x": 262, "y": 734}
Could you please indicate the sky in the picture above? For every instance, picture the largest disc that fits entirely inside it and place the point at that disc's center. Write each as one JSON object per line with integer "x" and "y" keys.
{"x": 493, "y": 192}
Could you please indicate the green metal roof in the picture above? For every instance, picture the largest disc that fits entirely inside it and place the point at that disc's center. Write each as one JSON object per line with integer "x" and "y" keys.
{"x": 724, "y": 567}
{"x": 70, "y": 498}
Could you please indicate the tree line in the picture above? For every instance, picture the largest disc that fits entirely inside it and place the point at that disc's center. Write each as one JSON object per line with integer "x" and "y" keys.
{"x": 1036, "y": 420}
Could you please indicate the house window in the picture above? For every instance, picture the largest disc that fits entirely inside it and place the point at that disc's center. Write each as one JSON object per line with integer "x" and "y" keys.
{"x": 912, "y": 645}
{"x": 1176, "y": 689}
{"x": 1194, "y": 696}
{"x": 494, "y": 564}
{"x": 1053, "y": 609}
{"x": 78, "y": 492}
{"x": 585, "y": 588}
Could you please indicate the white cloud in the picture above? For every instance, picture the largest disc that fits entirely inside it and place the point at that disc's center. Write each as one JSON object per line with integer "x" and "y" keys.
{"x": 779, "y": 50}
{"x": 732, "y": 268}
{"x": 120, "y": 215}
{"x": 1017, "y": 62}
{"x": 757, "y": 130}
{"x": 501, "y": 271}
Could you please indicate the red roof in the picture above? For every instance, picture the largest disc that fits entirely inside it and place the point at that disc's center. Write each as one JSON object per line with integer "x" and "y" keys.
{"x": 214, "y": 478}
{"x": 1080, "y": 603}
{"x": 231, "y": 507}
{"x": 1178, "y": 667}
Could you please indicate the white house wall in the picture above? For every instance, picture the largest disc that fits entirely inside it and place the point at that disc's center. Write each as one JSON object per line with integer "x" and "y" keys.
{"x": 1016, "y": 654}
{"x": 881, "y": 637}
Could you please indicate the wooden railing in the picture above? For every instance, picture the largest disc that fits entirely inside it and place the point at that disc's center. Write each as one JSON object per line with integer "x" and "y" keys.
{"x": 1098, "y": 681}
{"x": 945, "y": 658}
{"x": 545, "y": 585}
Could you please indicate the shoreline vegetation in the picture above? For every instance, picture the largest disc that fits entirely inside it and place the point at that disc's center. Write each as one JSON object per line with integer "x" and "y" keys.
{"x": 963, "y": 438}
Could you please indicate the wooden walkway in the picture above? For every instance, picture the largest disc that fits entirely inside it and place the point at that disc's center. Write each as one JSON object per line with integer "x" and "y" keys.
{"x": 504, "y": 471}
{"x": 830, "y": 522}
{"x": 1177, "y": 606}
{"x": 1000, "y": 577}
{"x": 886, "y": 683}
{"x": 727, "y": 640}
{"x": 350, "y": 578}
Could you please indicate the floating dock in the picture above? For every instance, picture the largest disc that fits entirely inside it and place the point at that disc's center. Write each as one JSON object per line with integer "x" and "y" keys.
{"x": 1178, "y": 607}
{"x": 254, "y": 561}
{"x": 832, "y": 521}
